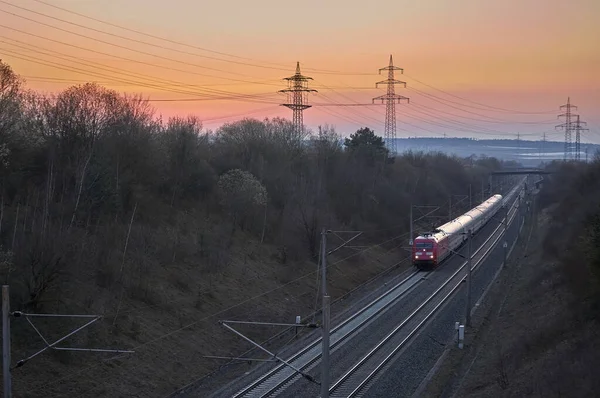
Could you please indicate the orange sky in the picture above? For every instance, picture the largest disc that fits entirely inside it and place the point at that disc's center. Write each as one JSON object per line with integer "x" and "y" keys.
{"x": 526, "y": 56}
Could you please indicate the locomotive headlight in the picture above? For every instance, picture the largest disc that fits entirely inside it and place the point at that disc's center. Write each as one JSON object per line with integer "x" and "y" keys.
{"x": 431, "y": 256}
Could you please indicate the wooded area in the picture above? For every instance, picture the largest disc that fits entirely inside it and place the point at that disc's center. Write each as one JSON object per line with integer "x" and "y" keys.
{"x": 572, "y": 197}
{"x": 107, "y": 209}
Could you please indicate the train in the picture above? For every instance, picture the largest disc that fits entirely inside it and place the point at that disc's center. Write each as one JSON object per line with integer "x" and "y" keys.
{"x": 430, "y": 249}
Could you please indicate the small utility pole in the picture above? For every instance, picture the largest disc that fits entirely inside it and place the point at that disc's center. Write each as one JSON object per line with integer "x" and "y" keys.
{"x": 482, "y": 193}
{"x": 468, "y": 322}
{"x": 6, "y": 340}
{"x": 410, "y": 238}
{"x": 470, "y": 198}
{"x": 450, "y": 208}
{"x": 505, "y": 219}
{"x": 325, "y": 338}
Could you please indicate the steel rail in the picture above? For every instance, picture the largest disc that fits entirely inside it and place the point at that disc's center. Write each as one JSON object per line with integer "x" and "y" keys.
{"x": 272, "y": 372}
{"x": 394, "y": 332}
{"x": 254, "y": 385}
{"x": 416, "y": 329}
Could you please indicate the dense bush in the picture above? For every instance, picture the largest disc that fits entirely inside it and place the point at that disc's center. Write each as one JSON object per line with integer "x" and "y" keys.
{"x": 572, "y": 196}
{"x": 91, "y": 159}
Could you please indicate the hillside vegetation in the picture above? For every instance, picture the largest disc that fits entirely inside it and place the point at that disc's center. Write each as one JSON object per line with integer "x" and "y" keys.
{"x": 572, "y": 198}
{"x": 161, "y": 226}
{"x": 537, "y": 331}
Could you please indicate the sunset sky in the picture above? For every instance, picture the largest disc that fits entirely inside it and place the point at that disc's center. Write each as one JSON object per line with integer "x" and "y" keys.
{"x": 485, "y": 69}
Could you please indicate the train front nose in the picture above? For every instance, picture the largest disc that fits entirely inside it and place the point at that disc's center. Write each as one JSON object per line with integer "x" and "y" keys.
{"x": 424, "y": 258}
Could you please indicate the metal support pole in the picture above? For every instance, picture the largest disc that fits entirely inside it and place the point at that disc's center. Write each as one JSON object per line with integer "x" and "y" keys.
{"x": 468, "y": 322}
{"x": 450, "y": 208}
{"x": 482, "y": 193}
{"x": 470, "y": 198}
{"x": 505, "y": 219}
{"x": 6, "y": 340}
{"x": 410, "y": 238}
{"x": 325, "y": 337}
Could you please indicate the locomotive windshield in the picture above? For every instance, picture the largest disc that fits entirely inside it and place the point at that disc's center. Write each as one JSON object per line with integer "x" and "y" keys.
{"x": 424, "y": 245}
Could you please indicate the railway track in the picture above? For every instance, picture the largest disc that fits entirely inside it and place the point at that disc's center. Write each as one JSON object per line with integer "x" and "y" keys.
{"x": 281, "y": 375}
{"x": 359, "y": 377}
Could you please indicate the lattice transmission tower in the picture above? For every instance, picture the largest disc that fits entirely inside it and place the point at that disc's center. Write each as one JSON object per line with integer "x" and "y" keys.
{"x": 297, "y": 96}
{"x": 578, "y": 129}
{"x": 390, "y": 99}
{"x": 568, "y": 127}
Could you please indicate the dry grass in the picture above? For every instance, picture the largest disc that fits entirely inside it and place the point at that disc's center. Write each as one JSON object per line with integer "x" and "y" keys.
{"x": 169, "y": 312}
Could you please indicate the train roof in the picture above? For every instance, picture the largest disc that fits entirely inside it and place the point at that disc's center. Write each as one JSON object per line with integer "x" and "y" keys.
{"x": 459, "y": 222}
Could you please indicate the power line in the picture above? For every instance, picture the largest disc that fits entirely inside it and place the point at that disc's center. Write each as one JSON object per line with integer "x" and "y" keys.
{"x": 462, "y": 125}
{"x": 60, "y": 80}
{"x": 119, "y": 57}
{"x": 549, "y": 121}
{"x": 127, "y": 48}
{"x": 382, "y": 114}
{"x": 443, "y": 102}
{"x": 241, "y": 98}
{"x": 282, "y": 66}
{"x": 578, "y": 130}
{"x": 124, "y": 72}
{"x": 240, "y": 114}
{"x": 356, "y": 112}
{"x": 491, "y": 108}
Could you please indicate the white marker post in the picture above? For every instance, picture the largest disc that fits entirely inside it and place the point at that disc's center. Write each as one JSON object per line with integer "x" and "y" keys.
{"x": 461, "y": 336}
{"x": 298, "y": 319}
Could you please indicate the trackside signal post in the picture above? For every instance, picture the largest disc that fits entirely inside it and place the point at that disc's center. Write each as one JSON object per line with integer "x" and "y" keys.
{"x": 326, "y": 308}
{"x": 469, "y": 237}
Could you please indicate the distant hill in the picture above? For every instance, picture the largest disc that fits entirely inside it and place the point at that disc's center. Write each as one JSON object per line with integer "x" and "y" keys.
{"x": 528, "y": 153}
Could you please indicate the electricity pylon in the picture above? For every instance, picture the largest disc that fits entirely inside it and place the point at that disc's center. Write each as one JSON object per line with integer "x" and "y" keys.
{"x": 390, "y": 99}
{"x": 297, "y": 96}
